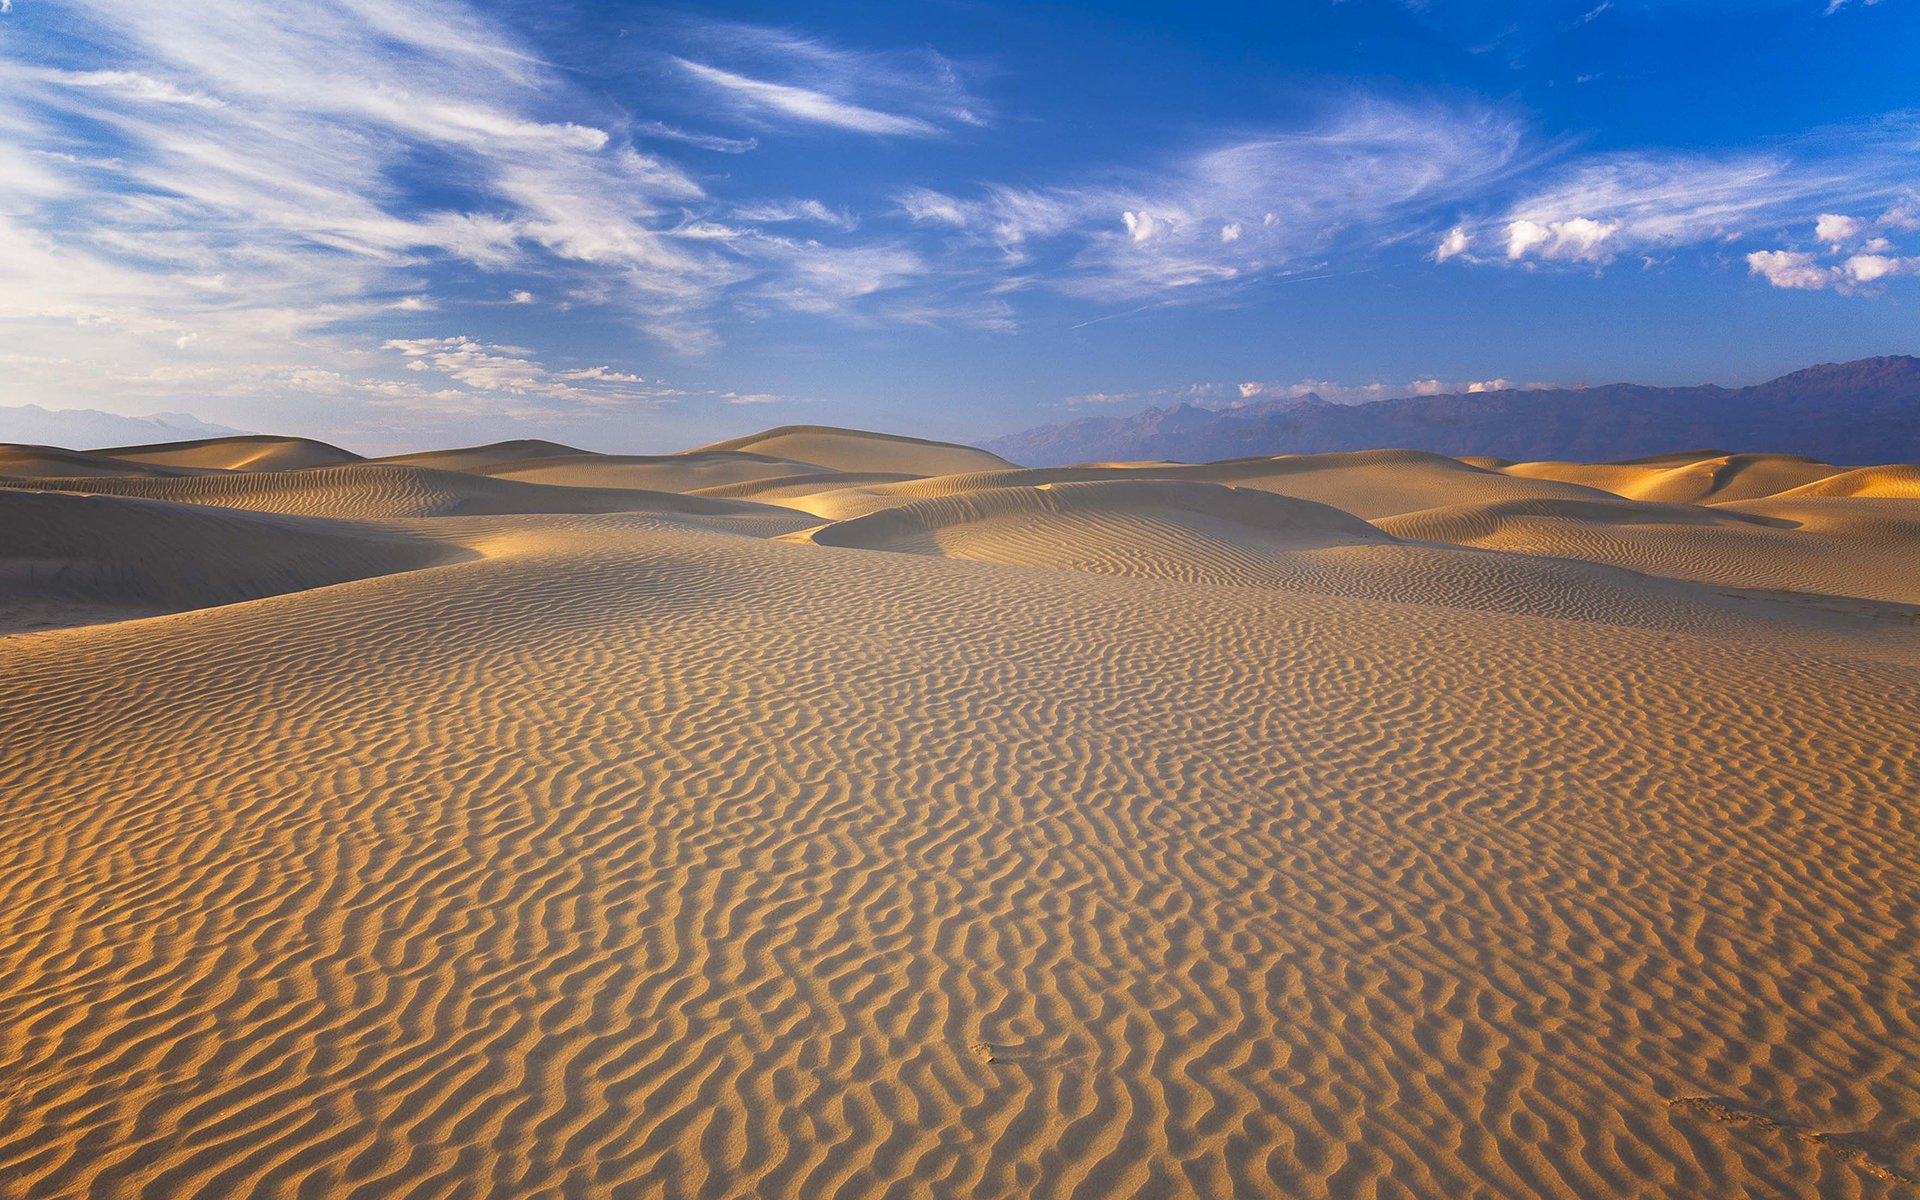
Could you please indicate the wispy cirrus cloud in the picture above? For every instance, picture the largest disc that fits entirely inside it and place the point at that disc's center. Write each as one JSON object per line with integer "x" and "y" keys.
{"x": 240, "y": 196}
{"x": 1591, "y": 210}
{"x": 1248, "y": 209}
{"x": 781, "y": 77}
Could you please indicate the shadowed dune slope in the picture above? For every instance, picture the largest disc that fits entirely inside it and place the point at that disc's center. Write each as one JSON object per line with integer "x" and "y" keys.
{"x": 692, "y": 471}
{"x": 244, "y": 453}
{"x": 54, "y": 462}
{"x": 1205, "y": 516}
{"x": 791, "y": 489}
{"x": 1866, "y": 552}
{"x": 71, "y": 560}
{"x": 634, "y": 860}
{"x": 485, "y": 458}
{"x": 1709, "y": 479}
{"x": 379, "y": 491}
{"x": 857, "y": 450}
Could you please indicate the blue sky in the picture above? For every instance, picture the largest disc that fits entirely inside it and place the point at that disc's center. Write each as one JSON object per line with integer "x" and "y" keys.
{"x": 395, "y": 223}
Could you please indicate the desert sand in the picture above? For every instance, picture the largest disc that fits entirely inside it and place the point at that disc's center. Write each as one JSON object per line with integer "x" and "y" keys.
{"x": 823, "y": 813}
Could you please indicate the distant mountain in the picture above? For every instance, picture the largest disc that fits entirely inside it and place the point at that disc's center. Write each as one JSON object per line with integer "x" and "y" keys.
{"x": 83, "y": 428}
{"x": 1848, "y": 413}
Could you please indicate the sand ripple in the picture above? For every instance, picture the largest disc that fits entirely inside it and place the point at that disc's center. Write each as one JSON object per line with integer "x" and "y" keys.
{"x": 642, "y": 860}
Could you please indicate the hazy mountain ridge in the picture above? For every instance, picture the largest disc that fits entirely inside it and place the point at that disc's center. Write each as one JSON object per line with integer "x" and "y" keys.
{"x": 31, "y": 424}
{"x": 1855, "y": 412}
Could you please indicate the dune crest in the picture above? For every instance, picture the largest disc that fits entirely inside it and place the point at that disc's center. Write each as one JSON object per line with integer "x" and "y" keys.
{"x": 245, "y": 452}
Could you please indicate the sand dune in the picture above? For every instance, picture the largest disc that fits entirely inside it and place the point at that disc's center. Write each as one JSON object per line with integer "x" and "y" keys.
{"x": 1367, "y": 484}
{"x": 244, "y": 453}
{"x": 692, "y": 471}
{"x": 791, "y": 489}
{"x": 1189, "y": 514}
{"x": 379, "y": 491}
{"x": 1686, "y": 479}
{"x": 483, "y": 458}
{"x": 74, "y": 560}
{"x": 1814, "y": 547}
{"x": 1892, "y": 482}
{"x": 1157, "y": 830}
{"x": 54, "y": 462}
{"x": 857, "y": 450}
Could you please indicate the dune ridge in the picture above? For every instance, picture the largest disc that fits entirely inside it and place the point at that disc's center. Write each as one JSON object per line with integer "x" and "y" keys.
{"x": 1122, "y": 830}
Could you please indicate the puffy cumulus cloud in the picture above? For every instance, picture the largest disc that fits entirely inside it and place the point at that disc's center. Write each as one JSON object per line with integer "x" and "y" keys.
{"x": 1873, "y": 260}
{"x": 1645, "y": 205}
{"x": 1578, "y": 239}
{"x": 1250, "y": 209}
{"x": 1871, "y": 268}
{"x": 1790, "y": 269}
{"x": 1835, "y": 228}
{"x": 1803, "y": 271}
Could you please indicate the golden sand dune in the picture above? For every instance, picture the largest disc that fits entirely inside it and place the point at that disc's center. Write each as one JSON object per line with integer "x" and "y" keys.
{"x": 1368, "y": 484}
{"x": 1710, "y": 477}
{"x": 857, "y": 450}
{"x": 1241, "y": 537}
{"x": 73, "y": 560}
{"x": 1767, "y": 544}
{"x": 1891, "y": 482}
{"x": 374, "y": 491}
{"x": 248, "y": 452}
{"x": 1181, "y": 840}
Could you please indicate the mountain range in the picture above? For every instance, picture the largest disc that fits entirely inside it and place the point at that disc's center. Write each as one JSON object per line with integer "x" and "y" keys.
{"x": 33, "y": 425}
{"x": 1867, "y": 411}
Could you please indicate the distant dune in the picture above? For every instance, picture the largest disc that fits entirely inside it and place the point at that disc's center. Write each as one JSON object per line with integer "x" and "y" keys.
{"x": 827, "y": 813}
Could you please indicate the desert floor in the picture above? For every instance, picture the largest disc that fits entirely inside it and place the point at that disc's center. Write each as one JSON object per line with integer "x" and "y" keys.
{"x": 826, "y": 814}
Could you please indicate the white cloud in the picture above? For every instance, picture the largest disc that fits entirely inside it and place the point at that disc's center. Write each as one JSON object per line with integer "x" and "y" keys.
{"x": 491, "y": 369}
{"x": 1230, "y": 232}
{"x": 1335, "y": 392}
{"x": 1577, "y": 239}
{"x": 777, "y": 76}
{"x": 705, "y": 141}
{"x": 1871, "y": 268}
{"x": 1790, "y": 269}
{"x": 1876, "y": 260}
{"x": 1833, "y": 228}
{"x": 774, "y": 212}
{"x": 1647, "y": 204}
{"x": 806, "y": 104}
{"x": 1293, "y": 196}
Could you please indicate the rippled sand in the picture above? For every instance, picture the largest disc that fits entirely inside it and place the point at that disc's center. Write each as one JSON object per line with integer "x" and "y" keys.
{"x": 886, "y": 821}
